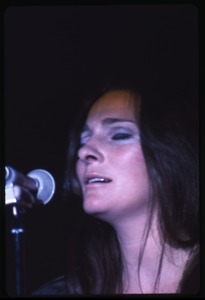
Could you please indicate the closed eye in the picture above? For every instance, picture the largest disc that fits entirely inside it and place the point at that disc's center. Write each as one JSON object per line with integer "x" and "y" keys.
{"x": 121, "y": 136}
{"x": 83, "y": 141}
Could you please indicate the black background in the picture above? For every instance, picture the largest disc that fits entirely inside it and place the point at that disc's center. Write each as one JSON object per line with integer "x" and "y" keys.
{"x": 52, "y": 54}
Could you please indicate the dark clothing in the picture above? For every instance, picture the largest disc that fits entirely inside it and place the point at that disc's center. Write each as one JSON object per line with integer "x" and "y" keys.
{"x": 190, "y": 283}
{"x": 55, "y": 287}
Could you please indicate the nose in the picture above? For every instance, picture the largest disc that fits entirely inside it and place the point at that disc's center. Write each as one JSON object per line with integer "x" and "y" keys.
{"x": 90, "y": 153}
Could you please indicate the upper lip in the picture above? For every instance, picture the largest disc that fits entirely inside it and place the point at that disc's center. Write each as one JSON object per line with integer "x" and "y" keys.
{"x": 93, "y": 176}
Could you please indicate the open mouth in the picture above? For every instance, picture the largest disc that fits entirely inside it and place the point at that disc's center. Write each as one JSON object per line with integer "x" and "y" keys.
{"x": 92, "y": 180}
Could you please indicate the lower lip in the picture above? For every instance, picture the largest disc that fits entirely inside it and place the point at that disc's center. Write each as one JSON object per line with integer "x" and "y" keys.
{"x": 96, "y": 184}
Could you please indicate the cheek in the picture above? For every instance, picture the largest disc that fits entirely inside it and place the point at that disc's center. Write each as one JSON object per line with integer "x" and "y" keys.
{"x": 134, "y": 168}
{"x": 131, "y": 159}
{"x": 79, "y": 170}
{"x": 137, "y": 180}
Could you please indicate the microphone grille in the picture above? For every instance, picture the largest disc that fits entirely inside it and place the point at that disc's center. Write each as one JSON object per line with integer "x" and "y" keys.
{"x": 46, "y": 184}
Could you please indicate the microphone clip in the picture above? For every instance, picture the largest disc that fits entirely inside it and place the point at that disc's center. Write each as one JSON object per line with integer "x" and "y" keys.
{"x": 9, "y": 194}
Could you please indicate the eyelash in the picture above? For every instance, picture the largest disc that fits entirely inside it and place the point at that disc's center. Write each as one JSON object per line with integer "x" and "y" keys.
{"x": 115, "y": 137}
{"x": 82, "y": 143}
{"x": 121, "y": 136}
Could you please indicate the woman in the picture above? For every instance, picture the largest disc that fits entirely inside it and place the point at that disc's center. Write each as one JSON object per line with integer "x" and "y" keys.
{"x": 133, "y": 227}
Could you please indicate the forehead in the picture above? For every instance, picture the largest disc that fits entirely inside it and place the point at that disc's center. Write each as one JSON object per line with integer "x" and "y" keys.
{"x": 119, "y": 103}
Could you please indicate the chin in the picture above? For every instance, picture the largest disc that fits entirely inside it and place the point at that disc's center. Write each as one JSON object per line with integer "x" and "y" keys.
{"x": 94, "y": 207}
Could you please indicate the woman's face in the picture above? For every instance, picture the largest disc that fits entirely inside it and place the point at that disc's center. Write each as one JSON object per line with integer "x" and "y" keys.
{"x": 111, "y": 168}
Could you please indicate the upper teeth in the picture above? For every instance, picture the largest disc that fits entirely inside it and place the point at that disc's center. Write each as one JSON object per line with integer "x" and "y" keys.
{"x": 97, "y": 179}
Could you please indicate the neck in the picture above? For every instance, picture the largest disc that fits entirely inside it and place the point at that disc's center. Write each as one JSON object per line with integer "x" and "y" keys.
{"x": 140, "y": 245}
{"x": 134, "y": 231}
{"x": 143, "y": 253}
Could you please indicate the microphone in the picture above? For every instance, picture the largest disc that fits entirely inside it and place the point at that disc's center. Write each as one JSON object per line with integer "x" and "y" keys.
{"x": 39, "y": 182}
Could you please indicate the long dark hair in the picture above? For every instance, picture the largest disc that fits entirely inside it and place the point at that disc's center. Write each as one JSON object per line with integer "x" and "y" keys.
{"x": 94, "y": 262}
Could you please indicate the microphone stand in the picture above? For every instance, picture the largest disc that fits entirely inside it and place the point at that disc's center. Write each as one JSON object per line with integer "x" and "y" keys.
{"x": 17, "y": 233}
{"x": 37, "y": 181}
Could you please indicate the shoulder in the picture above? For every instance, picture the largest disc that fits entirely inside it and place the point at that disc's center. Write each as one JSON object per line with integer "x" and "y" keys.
{"x": 54, "y": 287}
{"x": 190, "y": 283}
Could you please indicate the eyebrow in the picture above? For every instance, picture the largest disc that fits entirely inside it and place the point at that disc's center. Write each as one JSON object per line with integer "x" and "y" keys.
{"x": 108, "y": 121}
